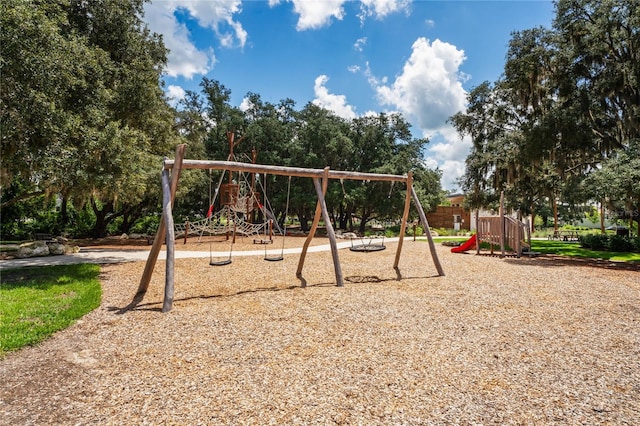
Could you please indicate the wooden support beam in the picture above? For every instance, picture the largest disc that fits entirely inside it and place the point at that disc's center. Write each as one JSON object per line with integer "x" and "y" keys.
{"x": 283, "y": 170}
{"x": 502, "y": 224}
{"x": 478, "y": 231}
{"x": 329, "y": 228}
{"x": 312, "y": 231}
{"x": 167, "y": 215}
{"x": 425, "y": 224}
{"x": 160, "y": 234}
{"x": 405, "y": 217}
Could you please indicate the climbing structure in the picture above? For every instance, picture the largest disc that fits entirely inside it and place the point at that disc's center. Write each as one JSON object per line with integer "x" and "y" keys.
{"x": 237, "y": 199}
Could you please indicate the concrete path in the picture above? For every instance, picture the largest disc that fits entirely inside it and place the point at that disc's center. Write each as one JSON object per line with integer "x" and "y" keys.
{"x": 106, "y": 256}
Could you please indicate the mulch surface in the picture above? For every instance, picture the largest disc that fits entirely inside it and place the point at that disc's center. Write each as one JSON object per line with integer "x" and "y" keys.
{"x": 495, "y": 341}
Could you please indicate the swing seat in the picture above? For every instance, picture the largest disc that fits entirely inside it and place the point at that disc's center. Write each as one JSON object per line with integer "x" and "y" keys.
{"x": 219, "y": 262}
{"x": 368, "y": 247}
{"x": 274, "y": 259}
{"x": 262, "y": 241}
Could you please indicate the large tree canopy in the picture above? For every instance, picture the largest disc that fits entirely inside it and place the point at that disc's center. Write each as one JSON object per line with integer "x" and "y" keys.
{"x": 84, "y": 119}
{"x": 311, "y": 137}
{"x": 83, "y": 112}
{"x": 567, "y": 105}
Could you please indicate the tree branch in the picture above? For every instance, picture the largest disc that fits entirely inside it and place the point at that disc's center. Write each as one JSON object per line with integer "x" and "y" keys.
{"x": 20, "y": 198}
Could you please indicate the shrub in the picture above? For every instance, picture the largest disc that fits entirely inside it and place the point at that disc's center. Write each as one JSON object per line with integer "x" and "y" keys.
{"x": 619, "y": 243}
{"x": 147, "y": 225}
{"x": 594, "y": 241}
{"x": 419, "y": 230}
{"x": 635, "y": 244}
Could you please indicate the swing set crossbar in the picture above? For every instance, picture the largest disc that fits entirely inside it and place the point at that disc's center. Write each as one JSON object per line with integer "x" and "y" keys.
{"x": 235, "y": 166}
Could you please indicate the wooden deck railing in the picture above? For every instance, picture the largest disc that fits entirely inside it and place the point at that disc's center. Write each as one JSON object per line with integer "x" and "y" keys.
{"x": 505, "y": 232}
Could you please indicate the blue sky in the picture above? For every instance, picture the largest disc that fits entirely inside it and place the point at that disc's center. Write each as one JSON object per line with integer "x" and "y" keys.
{"x": 419, "y": 58}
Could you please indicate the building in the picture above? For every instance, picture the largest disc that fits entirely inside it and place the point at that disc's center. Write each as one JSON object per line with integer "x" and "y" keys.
{"x": 453, "y": 216}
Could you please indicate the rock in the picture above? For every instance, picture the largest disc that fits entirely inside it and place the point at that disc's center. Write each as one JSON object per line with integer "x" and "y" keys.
{"x": 61, "y": 240}
{"x": 124, "y": 237}
{"x": 56, "y": 248}
{"x": 349, "y": 235}
{"x": 135, "y": 236}
{"x": 43, "y": 248}
{"x": 451, "y": 243}
{"x": 33, "y": 249}
{"x": 435, "y": 234}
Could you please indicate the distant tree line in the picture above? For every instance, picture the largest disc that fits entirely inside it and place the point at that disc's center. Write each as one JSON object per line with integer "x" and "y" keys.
{"x": 562, "y": 125}
{"x": 311, "y": 137}
{"x": 85, "y": 124}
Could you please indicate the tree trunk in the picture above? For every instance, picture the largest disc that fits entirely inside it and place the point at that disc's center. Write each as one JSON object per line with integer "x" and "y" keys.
{"x": 363, "y": 221}
{"x": 103, "y": 218}
{"x": 533, "y": 220}
{"x": 129, "y": 216}
{"x": 64, "y": 213}
{"x": 304, "y": 225}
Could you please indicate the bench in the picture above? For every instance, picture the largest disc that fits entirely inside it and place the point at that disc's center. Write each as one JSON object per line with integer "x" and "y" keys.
{"x": 564, "y": 235}
{"x": 39, "y": 236}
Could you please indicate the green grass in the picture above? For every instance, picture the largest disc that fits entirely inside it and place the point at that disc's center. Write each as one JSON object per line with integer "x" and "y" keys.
{"x": 37, "y": 302}
{"x": 445, "y": 238}
{"x": 573, "y": 249}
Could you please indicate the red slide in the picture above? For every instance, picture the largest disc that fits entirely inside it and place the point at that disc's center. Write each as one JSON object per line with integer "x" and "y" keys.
{"x": 467, "y": 245}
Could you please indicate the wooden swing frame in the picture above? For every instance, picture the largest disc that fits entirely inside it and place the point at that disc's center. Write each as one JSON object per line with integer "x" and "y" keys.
{"x": 320, "y": 181}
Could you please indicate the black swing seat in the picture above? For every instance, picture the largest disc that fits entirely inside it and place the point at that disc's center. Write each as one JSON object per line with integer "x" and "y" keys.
{"x": 274, "y": 259}
{"x": 219, "y": 262}
{"x": 262, "y": 241}
{"x": 370, "y": 246}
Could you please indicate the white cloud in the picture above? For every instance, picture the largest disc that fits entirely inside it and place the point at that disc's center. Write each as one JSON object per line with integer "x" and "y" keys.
{"x": 449, "y": 152}
{"x": 317, "y": 14}
{"x": 353, "y": 68}
{"x": 430, "y": 23}
{"x": 175, "y": 94}
{"x": 336, "y": 103}
{"x": 451, "y": 171}
{"x": 429, "y": 91}
{"x": 429, "y": 87}
{"x": 359, "y": 44}
{"x": 245, "y": 105}
{"x": 381, "y": 8}
{"x": 184, "y": 58}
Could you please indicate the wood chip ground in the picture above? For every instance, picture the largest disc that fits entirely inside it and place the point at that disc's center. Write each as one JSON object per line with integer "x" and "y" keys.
{"x": 496, "y": 341}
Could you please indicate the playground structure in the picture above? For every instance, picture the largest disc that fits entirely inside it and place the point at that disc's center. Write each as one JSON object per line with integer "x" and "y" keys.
{"x": 238, "y": 199}
{"x": 511, "y": 235}
{"x": 166, "y": 231}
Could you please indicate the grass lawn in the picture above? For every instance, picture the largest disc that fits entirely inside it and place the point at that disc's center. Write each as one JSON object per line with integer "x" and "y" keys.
{"x": 37, "y": 302}
{"x": 573, "y": 249}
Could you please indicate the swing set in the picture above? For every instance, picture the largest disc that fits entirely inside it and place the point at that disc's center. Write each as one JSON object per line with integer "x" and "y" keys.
{"x": 171, "y": 173}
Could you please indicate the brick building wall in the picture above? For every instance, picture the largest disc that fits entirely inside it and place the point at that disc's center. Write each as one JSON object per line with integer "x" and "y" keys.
{"x": 444, "y": 217}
